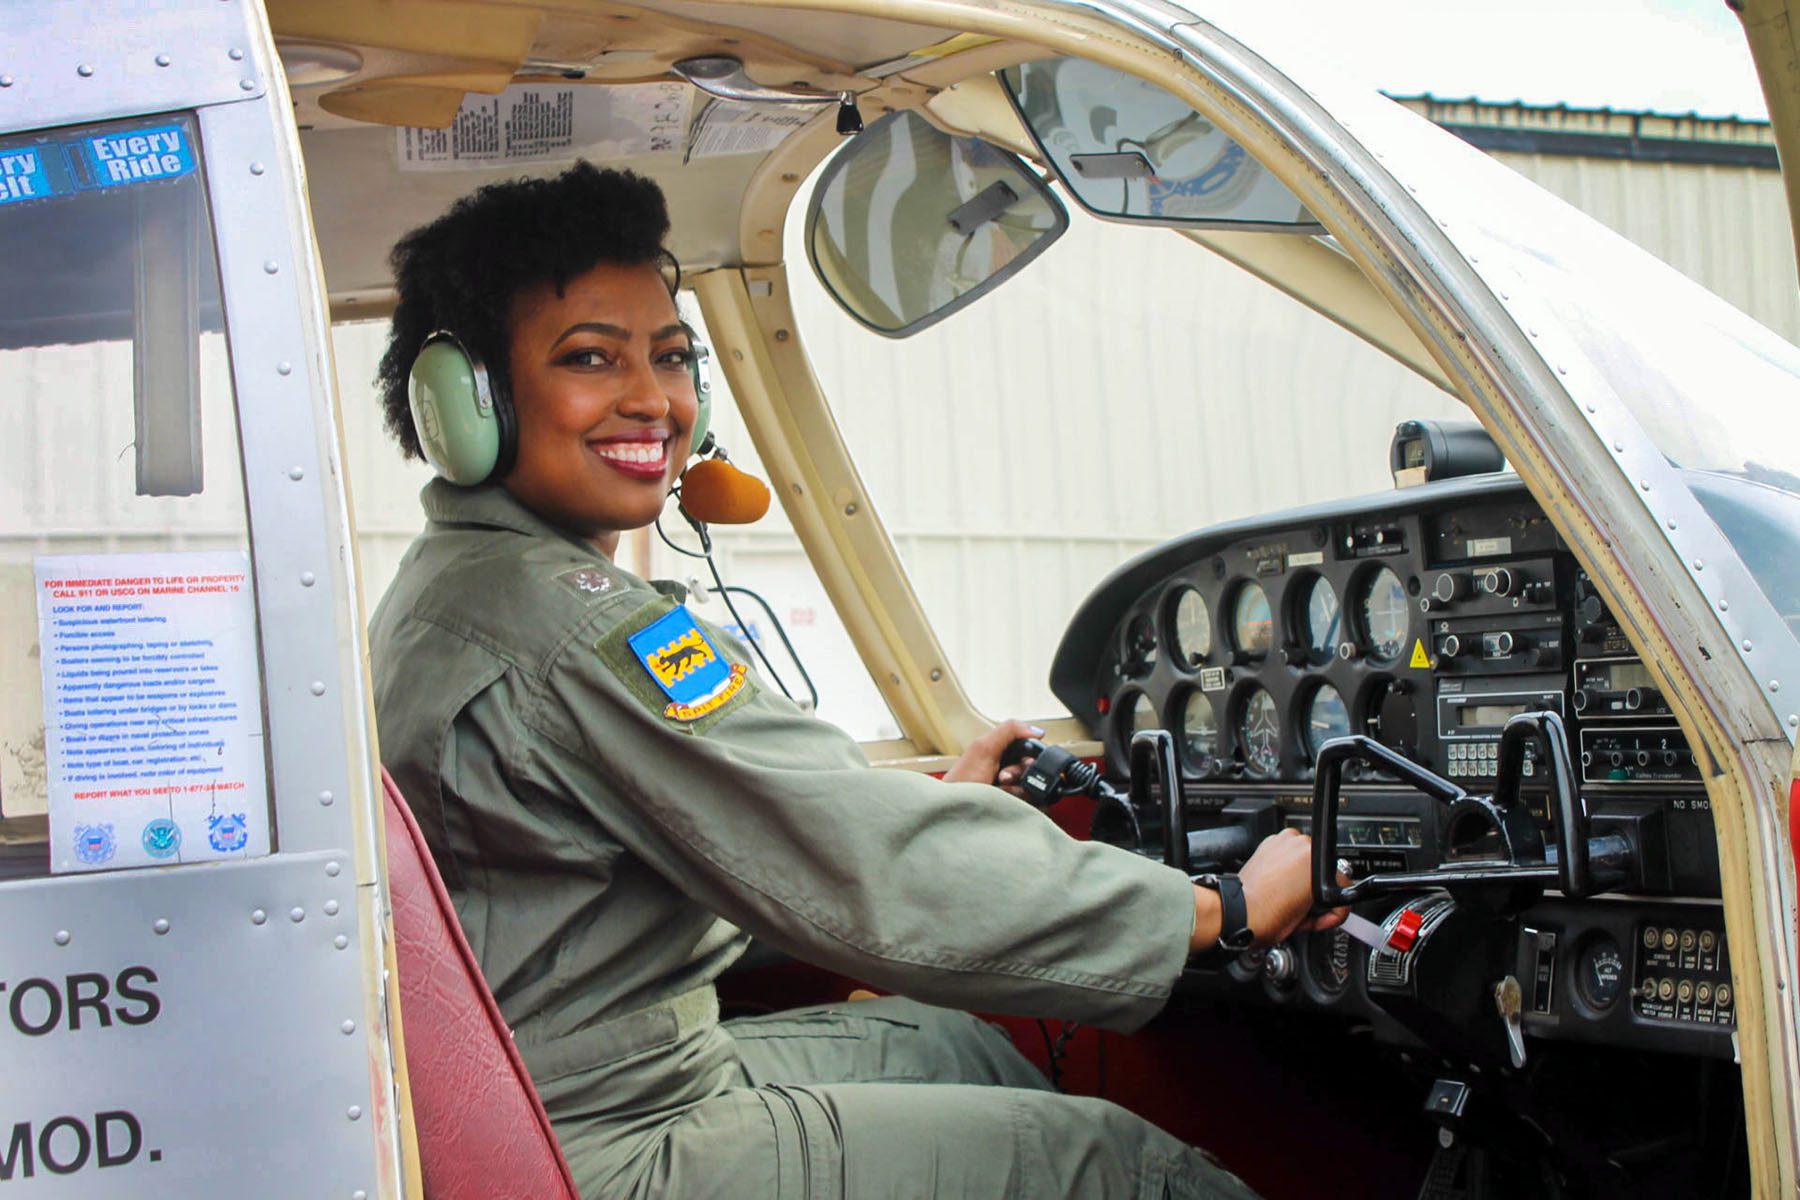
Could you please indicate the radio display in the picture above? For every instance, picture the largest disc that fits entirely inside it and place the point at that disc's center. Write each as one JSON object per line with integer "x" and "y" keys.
{"x": 1617, "y": 676}
{"x": 1487, "y": 716}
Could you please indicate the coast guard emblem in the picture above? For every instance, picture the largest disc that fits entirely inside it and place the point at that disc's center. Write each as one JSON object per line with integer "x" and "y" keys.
{"x": 686, "y": 666}
{"x": 227, "y": 832}
{"x": 95, "y": 844}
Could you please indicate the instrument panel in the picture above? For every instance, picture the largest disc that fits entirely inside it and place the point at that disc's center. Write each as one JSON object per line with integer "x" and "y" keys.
{"x": 1424, "y": 618}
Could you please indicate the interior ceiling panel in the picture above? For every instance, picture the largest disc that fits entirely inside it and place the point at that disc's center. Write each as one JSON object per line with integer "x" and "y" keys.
{"x": 362, "y": 202}
{"x": 858, "y": 40}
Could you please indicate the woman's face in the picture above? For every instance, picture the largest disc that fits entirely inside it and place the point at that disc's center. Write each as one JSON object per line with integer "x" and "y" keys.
{"x": 604, "y": 399}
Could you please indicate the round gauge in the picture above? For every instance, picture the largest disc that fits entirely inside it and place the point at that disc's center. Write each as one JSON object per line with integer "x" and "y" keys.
{"x": 1384, "y": 613}
{"x": 1319, "y": 620}
{"x": 1326, "y": 718}
{"x": 1133, "y": 712}
{"x": 1143, "y": 715}
{"x": 1199, "y": 732}
{"x": 1193, "y": 628}
{"x": 1599, "y": 973}
{"x": 1392, "y": 715}
{"x": 1140, "y": 645}
{"x": 1259, "y": 733}
{"x": 1252, "y": 628}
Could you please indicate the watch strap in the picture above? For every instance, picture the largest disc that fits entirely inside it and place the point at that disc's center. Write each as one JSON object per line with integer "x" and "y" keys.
{"x": 1234, "y": 914}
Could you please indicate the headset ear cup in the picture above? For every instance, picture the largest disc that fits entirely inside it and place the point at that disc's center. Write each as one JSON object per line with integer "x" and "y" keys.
{"x": 703, "y": 397}
{"x": 453, "y": 412}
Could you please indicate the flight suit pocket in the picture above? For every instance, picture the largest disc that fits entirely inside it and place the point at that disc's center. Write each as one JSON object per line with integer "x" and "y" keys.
{"x": 828, "y": 1045}
{"x": 600, "y": 1045}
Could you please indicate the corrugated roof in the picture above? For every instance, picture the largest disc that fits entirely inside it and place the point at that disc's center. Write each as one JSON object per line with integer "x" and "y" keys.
{"x": 1564, "y": 129}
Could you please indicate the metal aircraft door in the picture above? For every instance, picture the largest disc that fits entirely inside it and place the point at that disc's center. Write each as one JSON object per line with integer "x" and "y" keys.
{"x": 193, "y": 966}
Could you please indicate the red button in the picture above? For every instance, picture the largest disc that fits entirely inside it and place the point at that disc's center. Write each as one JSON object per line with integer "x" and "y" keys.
{"x": 1406, "y": 931}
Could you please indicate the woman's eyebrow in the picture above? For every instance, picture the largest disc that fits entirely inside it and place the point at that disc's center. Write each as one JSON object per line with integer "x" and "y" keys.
{"x": 600, "y": 327}
{"x": 606, "y": 329}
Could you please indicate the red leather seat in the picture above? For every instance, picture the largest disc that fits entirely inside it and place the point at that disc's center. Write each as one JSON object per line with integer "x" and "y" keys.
{"x": 483, "y": 1133}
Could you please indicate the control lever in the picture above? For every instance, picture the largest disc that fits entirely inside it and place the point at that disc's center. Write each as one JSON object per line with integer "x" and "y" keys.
{"x": 1153, "y": 760}
{"x": 1509, "y": 1000}
{"x": 1579, "y": 865}
{"x": 1056, "y": 772}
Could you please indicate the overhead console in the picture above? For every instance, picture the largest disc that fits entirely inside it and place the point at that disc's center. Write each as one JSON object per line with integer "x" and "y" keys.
{"x": 1425, "y": 619}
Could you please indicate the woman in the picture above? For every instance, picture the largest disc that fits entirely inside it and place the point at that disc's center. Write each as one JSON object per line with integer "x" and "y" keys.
{"x": 616, "y": 801}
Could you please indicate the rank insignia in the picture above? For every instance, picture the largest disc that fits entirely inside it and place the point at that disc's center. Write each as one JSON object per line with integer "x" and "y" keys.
{"x": 591, "y": 582}
{"x": 686, "y": 666}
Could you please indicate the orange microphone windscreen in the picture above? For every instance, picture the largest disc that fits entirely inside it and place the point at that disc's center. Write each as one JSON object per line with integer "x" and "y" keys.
{"x": 718, "y": 493}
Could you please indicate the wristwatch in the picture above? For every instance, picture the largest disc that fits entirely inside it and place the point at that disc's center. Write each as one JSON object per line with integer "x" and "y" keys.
{"x": 1234, "y": 915}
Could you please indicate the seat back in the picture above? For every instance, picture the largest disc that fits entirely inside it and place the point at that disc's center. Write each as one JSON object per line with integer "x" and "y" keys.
{"x": 483, "y": 1134}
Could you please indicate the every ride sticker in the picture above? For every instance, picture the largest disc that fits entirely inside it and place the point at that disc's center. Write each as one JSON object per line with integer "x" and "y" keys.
{"x": 120, "y": 157}
{"x": 136, "y": 155}
{"x": 686, "y": 666}
{"x": 153, "y": 731}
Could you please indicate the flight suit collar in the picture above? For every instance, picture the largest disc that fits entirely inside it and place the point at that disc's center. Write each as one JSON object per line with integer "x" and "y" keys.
{"x": 491, "y": 505}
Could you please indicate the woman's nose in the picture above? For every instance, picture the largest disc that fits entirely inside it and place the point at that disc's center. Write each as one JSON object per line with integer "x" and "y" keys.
{"x": 643, "y": 396}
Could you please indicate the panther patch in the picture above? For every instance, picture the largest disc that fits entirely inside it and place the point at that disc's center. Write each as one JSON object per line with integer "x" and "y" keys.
{"x": 686, "y": 666}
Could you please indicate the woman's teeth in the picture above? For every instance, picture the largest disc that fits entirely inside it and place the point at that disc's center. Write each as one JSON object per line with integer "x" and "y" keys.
{"x": 632, "y": 452}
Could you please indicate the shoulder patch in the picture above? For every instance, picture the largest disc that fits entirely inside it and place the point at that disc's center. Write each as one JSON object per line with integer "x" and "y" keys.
{"x": 588, "y": 582}
{"x": 695, "y": 682}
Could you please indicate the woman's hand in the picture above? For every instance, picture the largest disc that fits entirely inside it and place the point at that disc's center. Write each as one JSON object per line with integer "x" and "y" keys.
{"x": 1277, "y": 895}
{"x": 980, "y": 763}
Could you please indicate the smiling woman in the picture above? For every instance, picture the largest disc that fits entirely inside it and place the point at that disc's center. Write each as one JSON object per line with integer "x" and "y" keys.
{"x": 605, "y": 399}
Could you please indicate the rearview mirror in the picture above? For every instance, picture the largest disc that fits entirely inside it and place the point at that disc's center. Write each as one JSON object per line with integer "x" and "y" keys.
{"x": 908, "y": 224}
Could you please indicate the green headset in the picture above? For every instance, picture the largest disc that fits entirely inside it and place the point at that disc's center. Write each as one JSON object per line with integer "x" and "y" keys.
{"x": 467, "y": 427}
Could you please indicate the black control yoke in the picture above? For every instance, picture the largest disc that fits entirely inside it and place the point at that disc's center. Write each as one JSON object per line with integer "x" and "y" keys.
{"x": 1579, "y": 865}
{"x": 1153, "y": 760}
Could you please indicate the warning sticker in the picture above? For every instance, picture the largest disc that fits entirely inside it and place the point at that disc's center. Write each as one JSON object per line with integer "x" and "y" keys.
{"x": 548, "y": 122}
{"x": 1420, "y": 659}
{"x": 725, "y": 128}
{"x": 152, "y": 709}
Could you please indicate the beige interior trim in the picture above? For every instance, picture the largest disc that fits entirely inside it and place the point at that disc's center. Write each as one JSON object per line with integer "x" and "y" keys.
{"x": 1775, "y": 48}
{"x": 748, "y": 314}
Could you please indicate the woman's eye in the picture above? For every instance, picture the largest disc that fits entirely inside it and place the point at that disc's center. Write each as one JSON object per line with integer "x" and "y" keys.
{"x": 586, "y": 358}
{"x": 677, "y": 358}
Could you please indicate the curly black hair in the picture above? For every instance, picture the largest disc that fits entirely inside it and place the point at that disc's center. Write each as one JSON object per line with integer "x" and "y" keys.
{"x": 462, "y": 272}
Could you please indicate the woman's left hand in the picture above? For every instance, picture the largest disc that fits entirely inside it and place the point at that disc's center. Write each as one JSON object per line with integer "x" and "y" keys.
{"x": 980, "y": 763}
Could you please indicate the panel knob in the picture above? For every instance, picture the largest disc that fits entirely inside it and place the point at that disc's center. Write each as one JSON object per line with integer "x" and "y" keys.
{"x": 1451, "y": 646}
{"x": 1279, "y": 967}
{"x": 1449, "y": 586}
{"x": 1503, "y": 581}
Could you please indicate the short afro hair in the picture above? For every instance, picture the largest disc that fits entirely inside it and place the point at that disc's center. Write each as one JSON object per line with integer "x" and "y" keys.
{"x": 462, "y": 272}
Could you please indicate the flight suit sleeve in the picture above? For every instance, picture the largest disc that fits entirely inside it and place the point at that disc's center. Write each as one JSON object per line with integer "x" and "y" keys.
{"x": 953, "y": 893}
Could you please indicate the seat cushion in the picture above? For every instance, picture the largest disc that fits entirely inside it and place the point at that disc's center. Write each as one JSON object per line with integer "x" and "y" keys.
{"x": 483, "y": 1134}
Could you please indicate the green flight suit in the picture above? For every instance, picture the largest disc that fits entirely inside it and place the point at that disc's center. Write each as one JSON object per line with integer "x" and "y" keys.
{"x": 611, "y": 837}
